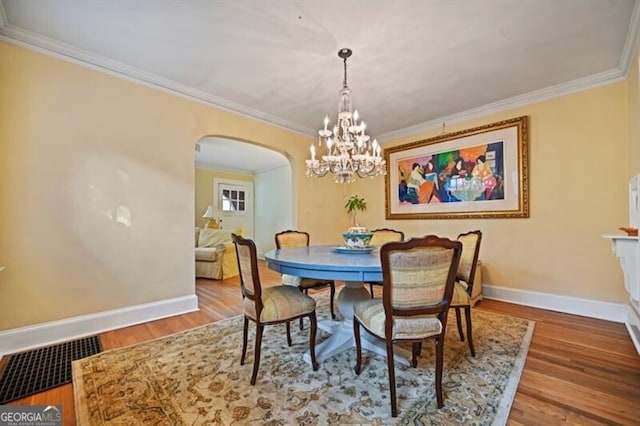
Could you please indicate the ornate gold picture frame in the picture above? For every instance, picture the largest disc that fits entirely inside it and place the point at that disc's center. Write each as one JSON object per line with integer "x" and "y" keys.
{"x": 481, "y": 172}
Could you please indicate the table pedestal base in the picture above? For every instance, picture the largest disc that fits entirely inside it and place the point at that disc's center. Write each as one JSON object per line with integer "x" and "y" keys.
{"x": 342, "y": 340}
{"x": 342, "y": 331}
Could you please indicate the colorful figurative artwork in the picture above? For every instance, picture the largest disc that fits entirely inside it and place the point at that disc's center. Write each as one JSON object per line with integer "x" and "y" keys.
{"x": 481, "y": 172}
{"x": 473, "y": 173}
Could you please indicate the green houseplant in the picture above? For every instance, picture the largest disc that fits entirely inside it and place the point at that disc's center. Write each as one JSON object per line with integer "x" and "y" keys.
{"x": 355, "y": 204}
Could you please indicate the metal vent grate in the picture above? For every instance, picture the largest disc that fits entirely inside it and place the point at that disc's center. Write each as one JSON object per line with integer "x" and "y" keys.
{"x": 40, "y": 369}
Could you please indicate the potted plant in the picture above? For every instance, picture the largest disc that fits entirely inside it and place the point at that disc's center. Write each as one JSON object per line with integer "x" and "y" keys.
{"x": 353, "y": 204}
{"x": 356, "y": 236}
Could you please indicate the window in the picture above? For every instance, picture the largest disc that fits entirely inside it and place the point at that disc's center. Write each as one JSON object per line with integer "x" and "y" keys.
{"x": 233, "y": 200}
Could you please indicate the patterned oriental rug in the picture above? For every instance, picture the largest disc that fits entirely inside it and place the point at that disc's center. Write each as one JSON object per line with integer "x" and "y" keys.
{"x": 195, "y": 377}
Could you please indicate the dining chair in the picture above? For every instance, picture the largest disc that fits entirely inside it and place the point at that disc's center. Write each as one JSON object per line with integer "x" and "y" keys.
{"x": 294, "y": 239}
{"x": 417, "y": 286}
{"x": 464, "y": 282}
{"x": 382, "y": 236}
{"x": 269, "y": 305}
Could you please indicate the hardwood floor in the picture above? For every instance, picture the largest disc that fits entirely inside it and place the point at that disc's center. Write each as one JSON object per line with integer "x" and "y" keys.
{"x": 578, "y": 371}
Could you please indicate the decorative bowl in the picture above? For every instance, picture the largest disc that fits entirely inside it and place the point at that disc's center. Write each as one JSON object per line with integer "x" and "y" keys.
{"x": 632, "y": 232}
{"x": 357, "y": 237}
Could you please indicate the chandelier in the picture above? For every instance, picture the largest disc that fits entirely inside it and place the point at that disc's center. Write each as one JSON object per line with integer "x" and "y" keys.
{"x": 346, "y": 150}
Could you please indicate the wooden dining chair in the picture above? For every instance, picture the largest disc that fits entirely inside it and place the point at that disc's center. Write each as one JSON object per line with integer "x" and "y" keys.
{"x": 417, "y": 286}
{"x": 465, "y": 277}
{"x": 294, "y": 239}
{"x": 270, "y": 305}
{"x": 382, "y": 236}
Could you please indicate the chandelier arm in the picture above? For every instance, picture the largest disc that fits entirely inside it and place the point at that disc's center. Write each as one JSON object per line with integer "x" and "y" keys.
{"x": 372, "y": 172}
{"x": 365, "y": 170}
{"x": 318, "y": 172}
{"x": 363, "y": 175}
{"x": 335, "y": 167}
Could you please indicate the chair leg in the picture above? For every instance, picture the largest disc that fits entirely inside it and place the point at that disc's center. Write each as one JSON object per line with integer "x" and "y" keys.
{"x": 371, "y": 289}
{"x": 256, "y": 358}
{"x": 356, "y": 335}
{"x": 392, "y": 379}
{"x": 415, "y": 351}
{"x": 459, "y": 321}
{"x": 312, "y": 341}
{"x": 439, "y": 363}
{"x": 288, "y": 333}
{"x": 467, "y": 315}
{"x": 301, "y": 318}
{"x": 245, "y": 331}
{"x": 333, "y": 293}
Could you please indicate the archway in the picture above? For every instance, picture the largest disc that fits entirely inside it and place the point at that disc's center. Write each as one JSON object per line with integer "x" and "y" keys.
{"x": 236, "y": 162}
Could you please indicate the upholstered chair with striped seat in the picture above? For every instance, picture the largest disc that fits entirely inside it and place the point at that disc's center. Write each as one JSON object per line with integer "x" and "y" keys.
{"x": 294, "y": 239}
{"x": 380, "y": 237}
{"x": 270, "y": 305}
{"x": 417, "y": 286}
{"x": 464, "y": 282}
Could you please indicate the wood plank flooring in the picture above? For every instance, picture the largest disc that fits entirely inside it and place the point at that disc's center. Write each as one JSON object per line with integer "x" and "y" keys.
{"x": 579, "y": 370}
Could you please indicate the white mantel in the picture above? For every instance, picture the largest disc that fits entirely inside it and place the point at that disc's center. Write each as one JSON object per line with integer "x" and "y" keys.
{"x": 627, "y": 249}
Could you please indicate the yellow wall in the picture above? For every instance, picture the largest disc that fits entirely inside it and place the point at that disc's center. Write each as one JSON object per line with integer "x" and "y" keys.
{"x": 204, "y": 189}
{"x": 633, "y": 98}
{"x": 578, "y": 191}
{"x": 97, "y": 188}
{"x": 97, "y": 192}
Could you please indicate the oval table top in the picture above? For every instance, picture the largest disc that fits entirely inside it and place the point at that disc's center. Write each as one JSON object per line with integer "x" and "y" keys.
{"x": 324, "y": 262}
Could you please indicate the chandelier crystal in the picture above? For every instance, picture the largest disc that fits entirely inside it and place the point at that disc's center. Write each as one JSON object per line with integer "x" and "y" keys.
{"x": 347, "y": 151}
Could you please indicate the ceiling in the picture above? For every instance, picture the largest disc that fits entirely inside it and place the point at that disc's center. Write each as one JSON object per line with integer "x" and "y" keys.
{"x": 416, "y": 64}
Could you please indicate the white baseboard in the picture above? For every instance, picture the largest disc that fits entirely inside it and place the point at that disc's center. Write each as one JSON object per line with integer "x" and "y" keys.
{"x": 616, "y": 312}
{"x": 24, "y": 338}
{"x": 609, "y": 311}
{"x": 633, "y": 325}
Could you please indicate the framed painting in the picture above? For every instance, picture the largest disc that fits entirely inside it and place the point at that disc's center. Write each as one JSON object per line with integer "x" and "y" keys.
{"x": 475, "y": 173}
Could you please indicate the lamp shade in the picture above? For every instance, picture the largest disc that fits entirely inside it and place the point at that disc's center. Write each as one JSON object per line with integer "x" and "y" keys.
{"x": 210, "y": 213}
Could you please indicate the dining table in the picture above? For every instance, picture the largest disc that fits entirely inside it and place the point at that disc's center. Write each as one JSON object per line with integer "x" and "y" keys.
{"x": 354, "y": 267}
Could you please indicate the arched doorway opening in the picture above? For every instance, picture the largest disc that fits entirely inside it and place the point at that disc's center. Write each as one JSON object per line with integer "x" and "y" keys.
{"x": 246, "y": 185}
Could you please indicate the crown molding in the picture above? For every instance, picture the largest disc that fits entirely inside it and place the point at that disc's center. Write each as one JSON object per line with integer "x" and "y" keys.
{"x": 63, "y": 51}
{"x": 632, "y": 40}
{"x": 209, "y": 166}
{"x": 80, "y": 57}
{"x": 272, "y": 168}
{"x": 589, "y": 82}
{"x": 608, "y": 77}
{"x": 3, "y": 15}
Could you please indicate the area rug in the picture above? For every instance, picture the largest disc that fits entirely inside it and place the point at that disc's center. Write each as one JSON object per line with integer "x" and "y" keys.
{"x": 195, "y": 377}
